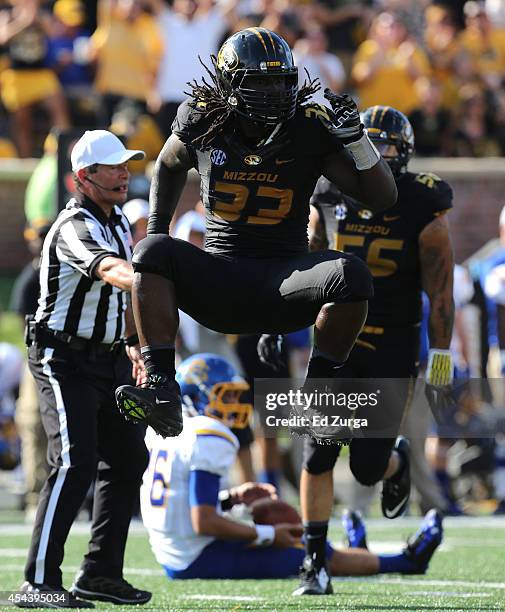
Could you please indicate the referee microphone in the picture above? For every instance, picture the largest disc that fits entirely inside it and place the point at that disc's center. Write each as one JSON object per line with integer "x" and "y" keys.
{"x": 86, "y": 178}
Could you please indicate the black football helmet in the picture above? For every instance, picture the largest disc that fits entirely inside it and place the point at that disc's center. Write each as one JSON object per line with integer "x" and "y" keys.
{"x": 387, "y": 126}
{"x": 257, "y": 76}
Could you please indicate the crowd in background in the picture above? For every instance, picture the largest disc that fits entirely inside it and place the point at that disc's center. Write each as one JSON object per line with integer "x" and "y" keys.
{"x": 125, "y": 63}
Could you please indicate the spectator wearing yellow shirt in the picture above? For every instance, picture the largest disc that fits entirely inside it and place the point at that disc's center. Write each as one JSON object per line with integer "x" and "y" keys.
{"x": 475, "y": 134}
{"x": 24, "y": 29}
{"x": 451, "y": 64}
{"x": 387, "y": 64}
{"x": 485, "y": 44}
{"x": 127, "y": 48}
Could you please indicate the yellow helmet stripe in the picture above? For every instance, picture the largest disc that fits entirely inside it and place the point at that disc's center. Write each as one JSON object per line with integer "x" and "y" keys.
{"x": 384, "y": 111}
{"x": 259, "y": 35}
{"x": 272, "y": 41}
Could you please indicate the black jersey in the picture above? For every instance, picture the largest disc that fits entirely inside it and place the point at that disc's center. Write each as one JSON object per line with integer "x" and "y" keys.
{"x": 257, "y": 199}
{"x": 388, "y": 241}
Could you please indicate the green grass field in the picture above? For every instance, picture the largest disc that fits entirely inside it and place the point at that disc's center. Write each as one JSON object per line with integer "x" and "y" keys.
{"x": 467, "y": 573}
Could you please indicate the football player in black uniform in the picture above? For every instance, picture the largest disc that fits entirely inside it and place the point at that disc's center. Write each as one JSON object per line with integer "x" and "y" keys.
{"x": 259, "y": 146}
{"x": 408, "y": 250}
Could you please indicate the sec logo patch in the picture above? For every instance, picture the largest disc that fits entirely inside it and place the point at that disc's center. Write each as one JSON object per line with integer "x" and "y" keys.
{"x": 218, "y": 157}
{"x": 340, "y": 211}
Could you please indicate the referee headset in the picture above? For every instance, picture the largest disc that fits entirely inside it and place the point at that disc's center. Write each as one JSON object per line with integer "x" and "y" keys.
{"x": 86, "y": 178}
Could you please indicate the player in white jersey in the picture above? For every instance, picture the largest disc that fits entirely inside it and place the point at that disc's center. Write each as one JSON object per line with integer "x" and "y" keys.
{"x": 184, "y": 506}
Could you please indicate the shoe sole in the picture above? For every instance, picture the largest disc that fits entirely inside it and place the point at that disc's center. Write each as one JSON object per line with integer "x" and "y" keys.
{"x": 300, "y": 593}
{"x": 128, "y": 406}
{"x": 95, "y": 596}
{"x": 142, "y": 412}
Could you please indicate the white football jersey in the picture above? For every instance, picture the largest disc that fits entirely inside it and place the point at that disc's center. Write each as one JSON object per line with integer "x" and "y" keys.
{"x": 205, "y": 444}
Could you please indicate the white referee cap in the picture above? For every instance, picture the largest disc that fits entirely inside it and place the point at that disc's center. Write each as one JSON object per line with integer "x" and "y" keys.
{"x": 101, "y": 147}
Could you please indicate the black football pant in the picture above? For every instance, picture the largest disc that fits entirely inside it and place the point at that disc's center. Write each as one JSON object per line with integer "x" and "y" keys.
{"x": 87, "y": 439}
{"x": 251, "y": 295}
{"x": 378, "y": 353}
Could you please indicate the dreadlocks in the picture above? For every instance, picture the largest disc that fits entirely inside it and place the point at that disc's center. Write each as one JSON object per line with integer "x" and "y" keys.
{"x": 216, "y": 108}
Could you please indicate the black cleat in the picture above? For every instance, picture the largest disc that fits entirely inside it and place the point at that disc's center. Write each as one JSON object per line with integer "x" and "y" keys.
{"x": 354, "y": 529}
{"x": 33, "y": 595}
{"x": 313, "y": 580}
{"x": 112, "y": 590}
{"x": 421, "y": 546}
{"x": 396, "y": 490}
{"x": 157, "y": 404}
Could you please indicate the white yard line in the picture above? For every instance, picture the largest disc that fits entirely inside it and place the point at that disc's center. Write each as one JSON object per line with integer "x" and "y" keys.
{"x": 226, "y": 597}
{"x": 413, "y": 581}
{"x": 477, "y": 522}
{"x": 447, "y": 594}
{"x": 18, "y": 529}
{"x": 386, "y": 547}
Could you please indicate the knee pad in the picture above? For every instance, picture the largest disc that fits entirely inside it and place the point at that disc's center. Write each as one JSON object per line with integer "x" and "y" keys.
{"x": 349, "y": 281}
{"x": 319, "y": 458}
{"x": 154, "y": 254}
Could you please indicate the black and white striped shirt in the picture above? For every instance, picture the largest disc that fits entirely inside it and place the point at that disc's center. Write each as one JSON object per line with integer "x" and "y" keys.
{"x": 72, "y": 299}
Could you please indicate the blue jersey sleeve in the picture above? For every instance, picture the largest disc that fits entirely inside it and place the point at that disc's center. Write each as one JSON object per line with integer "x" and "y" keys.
{"x": 203, "y": 488}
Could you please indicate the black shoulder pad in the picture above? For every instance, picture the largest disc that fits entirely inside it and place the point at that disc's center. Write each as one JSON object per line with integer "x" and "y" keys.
{"x": 439, "y": 193}
{"x": 191, "y": 121}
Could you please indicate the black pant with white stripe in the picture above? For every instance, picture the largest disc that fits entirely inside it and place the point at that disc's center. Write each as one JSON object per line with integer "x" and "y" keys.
{"x": 87, "y": 438}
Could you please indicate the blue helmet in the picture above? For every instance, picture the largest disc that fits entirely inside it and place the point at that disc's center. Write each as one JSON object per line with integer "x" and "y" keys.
{"x": 211, "y": 386}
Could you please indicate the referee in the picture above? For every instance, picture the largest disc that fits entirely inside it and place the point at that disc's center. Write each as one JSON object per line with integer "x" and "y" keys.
{"x": 77, "y": 356}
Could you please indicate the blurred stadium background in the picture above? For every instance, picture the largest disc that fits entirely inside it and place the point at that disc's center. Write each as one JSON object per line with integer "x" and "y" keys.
{"x": 122, "y": 64}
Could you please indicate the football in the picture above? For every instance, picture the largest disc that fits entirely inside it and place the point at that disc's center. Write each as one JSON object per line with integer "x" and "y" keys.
{"x": 267, "y": 511}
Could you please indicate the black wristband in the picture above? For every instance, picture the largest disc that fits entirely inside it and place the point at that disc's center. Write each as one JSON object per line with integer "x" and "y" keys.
{"x": 132, "y": 340}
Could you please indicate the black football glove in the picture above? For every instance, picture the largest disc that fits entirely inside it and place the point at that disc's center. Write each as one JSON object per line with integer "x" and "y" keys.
{"x": 346, "y": 123}
{"x": 270, "y": 351}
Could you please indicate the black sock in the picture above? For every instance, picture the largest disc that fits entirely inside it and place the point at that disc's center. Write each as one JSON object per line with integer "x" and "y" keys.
{"x": 315, "y": 540}
{"x": 159, "y": 359}
{"x": 322, "y": 366}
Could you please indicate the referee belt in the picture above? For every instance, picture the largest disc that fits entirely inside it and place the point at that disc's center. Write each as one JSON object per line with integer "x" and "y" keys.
{"x": 40, "y": 333}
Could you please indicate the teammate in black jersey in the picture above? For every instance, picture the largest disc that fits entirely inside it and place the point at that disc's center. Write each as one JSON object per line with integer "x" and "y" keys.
{"x": 408, "y": 249}
{"x": 259, "y": 146}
